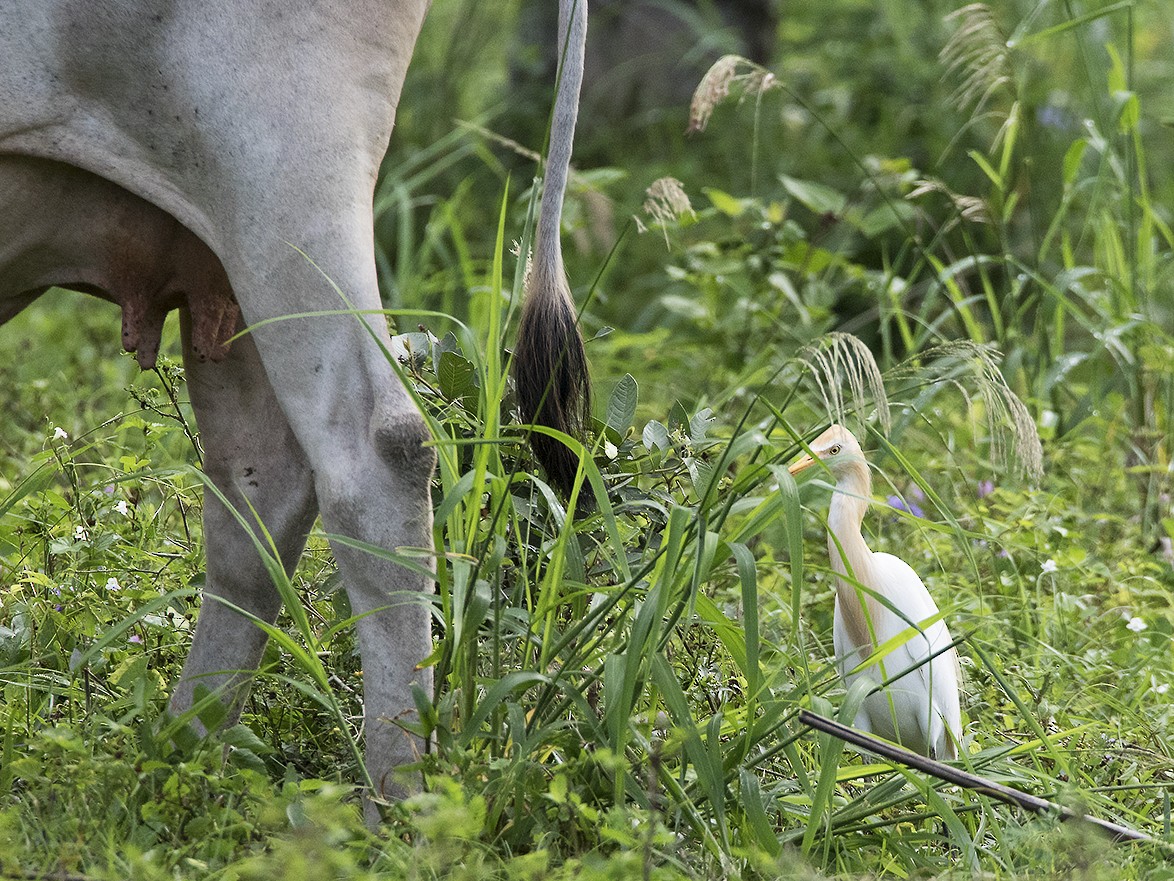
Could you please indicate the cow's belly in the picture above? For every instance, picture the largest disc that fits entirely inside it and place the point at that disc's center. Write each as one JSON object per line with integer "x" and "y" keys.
{"x": 61, "y": 226}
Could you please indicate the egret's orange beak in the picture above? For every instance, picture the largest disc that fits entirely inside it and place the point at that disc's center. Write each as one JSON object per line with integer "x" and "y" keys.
{"x": 803, "y": 464}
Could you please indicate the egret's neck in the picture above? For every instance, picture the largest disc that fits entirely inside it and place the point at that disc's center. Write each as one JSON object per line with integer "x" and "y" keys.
{"x": 847, "y": 549}
{"x": 849, "y": 504}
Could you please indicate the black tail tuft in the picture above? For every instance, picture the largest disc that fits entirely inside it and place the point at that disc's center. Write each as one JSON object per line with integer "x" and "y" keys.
{"x": 550, "y": 364}
{"x": 553, "y": 385}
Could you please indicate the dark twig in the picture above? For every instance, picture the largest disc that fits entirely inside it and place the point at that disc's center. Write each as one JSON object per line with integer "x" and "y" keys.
{"x": 957, "y": 776}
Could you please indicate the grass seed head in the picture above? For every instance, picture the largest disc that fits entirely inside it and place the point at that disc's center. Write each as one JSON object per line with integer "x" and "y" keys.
{"x": 718, "y": 82}
{"x": 977, "y": 53}
{"x": 840, "y": 360}
{"x": 665, "y": 202}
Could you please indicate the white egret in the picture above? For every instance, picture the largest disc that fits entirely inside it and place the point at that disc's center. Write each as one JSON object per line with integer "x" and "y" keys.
{"x": 920, "y": 709}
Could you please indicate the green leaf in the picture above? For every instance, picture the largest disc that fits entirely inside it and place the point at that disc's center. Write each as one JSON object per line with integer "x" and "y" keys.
{"x": 417, "y": 344}
{"x": 699, "y": 425}
{"x": 793, "y": 518}
{"x": 724, "y": 202}
{"x": 710, "y": 772}
{"x": 989, "y": 170}
{"x": 819, "y": 198}
{"x": 1072, "y": 160}
{"x": 621, "y": 408}
{"x": 686, "y": 307}
{"x": 1076, "y": 21}
{"x": 496, "y": 695}
{"x": 241, "y": 736}
{"x": 1168, "y": 525}
{"x": 755, "y": 809}
{"x": 1118, "y": 78}
{"x": 884, "y": 218}
{"x": 731, "y": 636}
{"x": 447, "y": 343}
{"x": 129, "y": 671}
{"x": 959, "y": 836}
{"x": 557, "y": 791}
{"x": 831, "y": 750}
{"x": 1128, "y": 110}
{"x": 655, "y": 435}
{"x": 747, "y": 574}
{"x": 812, "y": 260}
{"x": 209, "y": 710}
{"x": 247, "y": 758}
{"x": 31, "y": 485}
{"x": 456, "y": 375}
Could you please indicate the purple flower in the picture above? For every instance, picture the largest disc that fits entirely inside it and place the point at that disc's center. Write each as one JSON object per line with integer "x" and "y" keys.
{"x": 901, "y": 505}
{"x": 135, "y": 638}
{"x": 916, "y": 494}
{"x": 108, "y": 489}
{"x": 985, "y": 488}
{"x": 1051, "y": 116}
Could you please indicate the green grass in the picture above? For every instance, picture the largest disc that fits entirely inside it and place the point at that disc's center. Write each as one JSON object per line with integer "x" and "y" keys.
{"x": 618, "y": 690}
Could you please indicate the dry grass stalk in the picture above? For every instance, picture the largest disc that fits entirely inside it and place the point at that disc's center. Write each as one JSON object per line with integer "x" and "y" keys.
{"x": 840, "y": 361}
{"x": 1014, "y": 440}
{"x": 970, "y": 208}
{"x": 665, "y": 202}
{"x": 720, "y": 80}
{"x": 847, "y": 377}
{"x": 977, "y": 53}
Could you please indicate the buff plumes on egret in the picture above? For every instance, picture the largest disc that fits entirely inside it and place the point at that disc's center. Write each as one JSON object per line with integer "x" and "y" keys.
{"x": 879, "y": 597}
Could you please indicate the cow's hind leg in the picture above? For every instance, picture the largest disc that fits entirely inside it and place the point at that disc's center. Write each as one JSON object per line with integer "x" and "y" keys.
{"x": 252, "y": 457}
{"x": 372, "y": 463}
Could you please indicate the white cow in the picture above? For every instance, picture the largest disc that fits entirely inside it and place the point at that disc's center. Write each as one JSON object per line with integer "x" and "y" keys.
{"x": 172, "y": 153}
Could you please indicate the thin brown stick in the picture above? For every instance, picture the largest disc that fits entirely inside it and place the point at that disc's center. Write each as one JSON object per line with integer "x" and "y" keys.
{"x": 965, "y": 779}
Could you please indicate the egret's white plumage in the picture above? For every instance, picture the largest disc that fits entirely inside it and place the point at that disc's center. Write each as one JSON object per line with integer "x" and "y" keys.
{"x": 920, "y": 709}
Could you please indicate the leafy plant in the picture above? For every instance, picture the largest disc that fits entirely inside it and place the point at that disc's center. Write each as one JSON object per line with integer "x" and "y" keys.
{"x": 619, "y": 687}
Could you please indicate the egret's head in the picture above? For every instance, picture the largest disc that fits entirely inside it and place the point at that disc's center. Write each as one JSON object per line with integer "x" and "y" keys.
{"x": 839, "y": 450}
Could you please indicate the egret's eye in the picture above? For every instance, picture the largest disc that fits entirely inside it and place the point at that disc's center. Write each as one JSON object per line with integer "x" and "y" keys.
{"x": 834, "y": 450}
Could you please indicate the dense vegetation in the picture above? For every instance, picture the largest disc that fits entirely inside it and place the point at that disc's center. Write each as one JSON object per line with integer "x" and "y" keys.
{"x": 980, "y": 195}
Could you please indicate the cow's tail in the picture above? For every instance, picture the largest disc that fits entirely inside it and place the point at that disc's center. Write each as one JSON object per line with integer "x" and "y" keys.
{"x": 550, "y": 363}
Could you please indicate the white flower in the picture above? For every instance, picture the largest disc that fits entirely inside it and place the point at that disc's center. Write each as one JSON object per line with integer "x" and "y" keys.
{"x": 1048, "y": 566}
{"x": 1162, "y": 689}
{"x": 112, "y": 584}
{"x": 1136, "y": 624}
{"x": 79, "y": 533}
{"x": 121, "y": 508}
{"x": 60, "y": 433}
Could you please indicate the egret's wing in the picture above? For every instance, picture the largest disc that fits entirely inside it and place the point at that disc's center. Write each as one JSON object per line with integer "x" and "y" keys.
{"x": 902, "y": 587}
{"x": 938, "y": 679}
